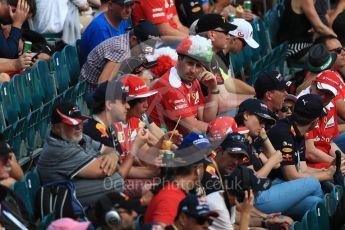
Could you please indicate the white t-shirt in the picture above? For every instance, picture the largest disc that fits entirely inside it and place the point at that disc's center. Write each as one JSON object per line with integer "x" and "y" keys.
{"x": 51, "y": 15}
{"x": 216, "y": 203}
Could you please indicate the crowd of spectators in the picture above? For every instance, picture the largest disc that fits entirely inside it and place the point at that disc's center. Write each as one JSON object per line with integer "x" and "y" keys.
{"x": 174, "y": 139}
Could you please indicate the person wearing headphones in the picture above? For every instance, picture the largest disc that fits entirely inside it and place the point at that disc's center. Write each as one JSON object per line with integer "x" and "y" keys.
{"x": 114, "y": 211}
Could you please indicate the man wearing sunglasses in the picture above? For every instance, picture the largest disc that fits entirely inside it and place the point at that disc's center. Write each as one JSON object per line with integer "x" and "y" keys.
{"x": 288, "y": 106}
{"x": 320, "y": 148}
{"x": 288, "y": 137}
{"x": 216, "y": 28}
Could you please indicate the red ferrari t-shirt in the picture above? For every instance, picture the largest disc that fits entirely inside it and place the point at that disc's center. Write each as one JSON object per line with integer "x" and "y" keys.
{"x": 126, "y": 134}
{"x": 156, "y": 11}
{"x": 163, "y": 206}
{"x": 174, "y": 99}
{"x": 323, "y": 134}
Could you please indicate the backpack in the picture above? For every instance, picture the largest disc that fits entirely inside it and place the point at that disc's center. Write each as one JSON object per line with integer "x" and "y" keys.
{"x": 13, "y": 214}
{"x": 59, "y": 198}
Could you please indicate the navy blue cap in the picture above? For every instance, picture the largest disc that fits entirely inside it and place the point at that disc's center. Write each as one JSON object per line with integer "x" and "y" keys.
{"x": 145, "y": 29}
{"x": 199, "y": 140}
{"x": 196, "y": 206}
{"x": 194, "y": 149}
{"x": 256, "y": 107}
{"x": 309, "y": 107}
{"x": 236, "y": 143}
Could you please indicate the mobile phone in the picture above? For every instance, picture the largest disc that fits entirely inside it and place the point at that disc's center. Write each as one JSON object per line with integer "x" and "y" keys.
{"x": 35, "y": 55}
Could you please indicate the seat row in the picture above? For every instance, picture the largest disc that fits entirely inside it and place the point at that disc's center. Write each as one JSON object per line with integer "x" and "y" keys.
{"x": 26, "y": 101}
{"x": 318, "y": 217}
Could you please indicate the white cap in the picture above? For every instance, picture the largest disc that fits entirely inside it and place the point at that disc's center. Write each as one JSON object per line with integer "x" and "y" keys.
{"x": 244, "y": 30}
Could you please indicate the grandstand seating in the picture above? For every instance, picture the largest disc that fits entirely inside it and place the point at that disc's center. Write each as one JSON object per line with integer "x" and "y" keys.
{"x": 27, "y": 100}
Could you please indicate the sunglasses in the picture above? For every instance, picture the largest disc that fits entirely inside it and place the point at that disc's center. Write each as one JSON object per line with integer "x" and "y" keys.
{"x": 201, "y": 219}
{"x": 285, "y": 109}
{"x": 337, "y": 50}
{"x": 221, "y": 31}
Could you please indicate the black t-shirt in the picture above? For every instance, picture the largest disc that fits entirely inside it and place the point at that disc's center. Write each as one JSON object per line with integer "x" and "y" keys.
{"x": 253, "y": 158}
{"x": 189, "y": 11}
{"x": 286, "y": 137}
{"x": 102, "y": 134}
{"x": 211, "y": 183}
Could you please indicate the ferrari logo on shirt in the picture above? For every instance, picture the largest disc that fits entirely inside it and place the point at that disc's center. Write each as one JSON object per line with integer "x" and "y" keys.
{"x": 330, "y": 122}
{"x": 195, "y": 96}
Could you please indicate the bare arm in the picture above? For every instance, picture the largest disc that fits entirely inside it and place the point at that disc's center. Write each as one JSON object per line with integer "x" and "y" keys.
{"x": 333, "y": 15}
{"x": 270, "y": 164}
{"x": 290, "y": 172}
{"x": 234, "y": 85}
{"x": 93, "y": 170}
{"x": 191, "y": 124}
{"x": 8, "y": 65}
{"x": 109, "y": 71}
{"x": 340, "y": 106}
{"x": 180, "y": 27}
{"x": 16, "y": 171}
{"x": 315, "y": 154}
{"x": 166, "y": 30}
{"x": 310, "y": 12}
{"x": 210, "y": 108}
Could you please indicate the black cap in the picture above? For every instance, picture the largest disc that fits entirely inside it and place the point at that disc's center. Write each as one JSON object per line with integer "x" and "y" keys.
{"x": 319, "y": 58}
{"x": 339, "y": 25}
{"x": 242, "y": 179}
{"x": 308, "y": 107}
{"x": 67, "y": 113}
{"x": 256, "y": 107}
{"x": 236, "y": 143}
{"x": 110, "y": 90}
{"x": 114, "y": 200}
{"x": 213, "y": 21}
{"x": 195, "y": 206}
{"x": 144, "y": 30}
{"x": 135, "y": 65}
{"x": 267, "y": 81}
